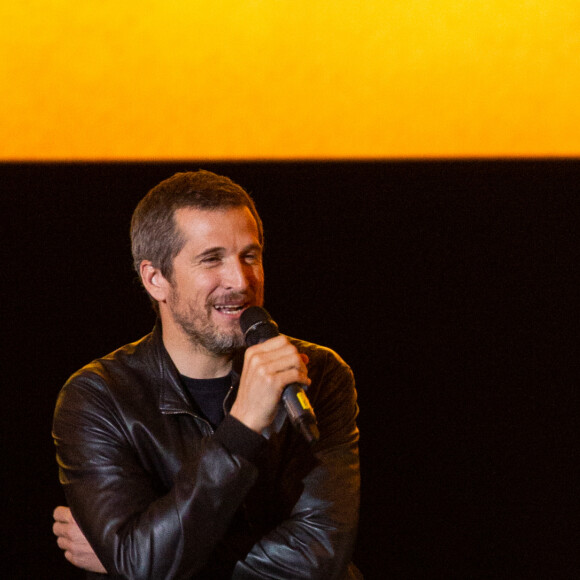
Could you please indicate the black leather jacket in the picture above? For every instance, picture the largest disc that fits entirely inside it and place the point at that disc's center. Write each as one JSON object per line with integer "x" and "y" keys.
{"x": 160, "y": 495}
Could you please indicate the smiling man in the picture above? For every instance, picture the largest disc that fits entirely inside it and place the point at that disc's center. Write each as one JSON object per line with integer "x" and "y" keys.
{"x": 173, "y": 459}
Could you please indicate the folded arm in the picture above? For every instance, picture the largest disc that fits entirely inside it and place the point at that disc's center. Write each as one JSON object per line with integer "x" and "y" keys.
{"x": 139, "y": 525}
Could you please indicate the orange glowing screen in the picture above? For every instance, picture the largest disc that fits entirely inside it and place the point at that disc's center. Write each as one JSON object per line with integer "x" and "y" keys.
{"x": 272, "y": 79}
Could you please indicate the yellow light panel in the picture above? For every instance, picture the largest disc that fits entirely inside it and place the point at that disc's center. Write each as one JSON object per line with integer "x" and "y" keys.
{"x": 272, "y": 79}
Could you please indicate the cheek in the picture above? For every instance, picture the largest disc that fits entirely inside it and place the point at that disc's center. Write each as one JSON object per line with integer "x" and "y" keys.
{"x": 259, "y": 276}
{"x": 259, "y": 287}
{"x": 204, "y": 283}
{"x": 196, "y": 293}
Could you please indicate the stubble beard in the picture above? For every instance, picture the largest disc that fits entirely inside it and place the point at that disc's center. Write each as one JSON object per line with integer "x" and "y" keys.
{"x": 202, "y": 332}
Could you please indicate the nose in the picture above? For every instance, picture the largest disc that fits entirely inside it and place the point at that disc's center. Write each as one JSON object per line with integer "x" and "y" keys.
{"x": 237, "y": 275}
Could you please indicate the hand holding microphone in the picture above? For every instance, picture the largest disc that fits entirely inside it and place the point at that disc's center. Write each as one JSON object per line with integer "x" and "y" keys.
{"x": 258, "y": 327}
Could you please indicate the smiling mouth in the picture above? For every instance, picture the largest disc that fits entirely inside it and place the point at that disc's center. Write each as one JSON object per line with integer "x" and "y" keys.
{"x": 231, "y": 308}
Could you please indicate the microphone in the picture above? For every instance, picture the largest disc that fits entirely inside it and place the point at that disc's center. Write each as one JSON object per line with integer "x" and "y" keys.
{"x": 258, "y": 326}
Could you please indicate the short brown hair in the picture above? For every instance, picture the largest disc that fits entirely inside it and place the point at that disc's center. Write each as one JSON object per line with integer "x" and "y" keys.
{"x": 154, "y": 235}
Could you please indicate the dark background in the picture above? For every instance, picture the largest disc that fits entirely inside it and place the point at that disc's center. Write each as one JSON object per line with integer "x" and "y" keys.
{"x": 449, "y": 288}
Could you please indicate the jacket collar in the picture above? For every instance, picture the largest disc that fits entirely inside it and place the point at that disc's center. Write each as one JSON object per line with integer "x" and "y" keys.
{"x": 173, "y": 398}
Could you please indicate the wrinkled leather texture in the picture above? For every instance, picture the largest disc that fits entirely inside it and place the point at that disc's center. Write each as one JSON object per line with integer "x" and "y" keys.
{"x": 159, "y": 495}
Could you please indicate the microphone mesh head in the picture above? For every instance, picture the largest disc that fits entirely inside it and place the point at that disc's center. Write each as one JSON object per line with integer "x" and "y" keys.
{"x": 252, "y": 316}
{"x": 257, "y": 325}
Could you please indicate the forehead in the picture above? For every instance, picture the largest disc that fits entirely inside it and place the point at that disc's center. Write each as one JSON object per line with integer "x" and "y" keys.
{"x": 217, "y": 227}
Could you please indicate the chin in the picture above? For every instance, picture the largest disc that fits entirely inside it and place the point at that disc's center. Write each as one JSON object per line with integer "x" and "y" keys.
{"x": 225, "y": 343}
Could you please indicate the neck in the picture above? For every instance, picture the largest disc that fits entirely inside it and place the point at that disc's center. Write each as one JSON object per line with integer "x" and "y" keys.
{"x": 192, "y": 360}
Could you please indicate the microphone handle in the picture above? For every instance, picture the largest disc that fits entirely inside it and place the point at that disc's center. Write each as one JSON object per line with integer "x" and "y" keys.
{"x": 258, "y": 326}
{"x": 300, "y": 412}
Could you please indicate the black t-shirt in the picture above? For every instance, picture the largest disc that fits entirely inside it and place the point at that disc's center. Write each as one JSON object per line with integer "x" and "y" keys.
{"x": 208, "y": 396}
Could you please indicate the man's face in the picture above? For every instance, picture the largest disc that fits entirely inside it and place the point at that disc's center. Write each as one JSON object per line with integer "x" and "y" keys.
{"x": 217, "y": 274}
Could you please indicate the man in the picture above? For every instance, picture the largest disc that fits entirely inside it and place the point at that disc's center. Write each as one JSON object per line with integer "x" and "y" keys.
{"x": 175, "y": 464}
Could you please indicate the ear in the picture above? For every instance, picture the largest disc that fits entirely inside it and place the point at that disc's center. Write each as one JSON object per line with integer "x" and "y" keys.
{"x": 154, "y": 281}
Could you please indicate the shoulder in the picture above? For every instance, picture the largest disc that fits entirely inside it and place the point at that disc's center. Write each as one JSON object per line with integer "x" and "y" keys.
{"x": 332, "y": 392}
{"x": 112, "y": 373}
{"x": 127, "y": 358}
{"x": 321, "y": 358}
{"x": 332, "y": 378}
{"x": 108, "y": 386}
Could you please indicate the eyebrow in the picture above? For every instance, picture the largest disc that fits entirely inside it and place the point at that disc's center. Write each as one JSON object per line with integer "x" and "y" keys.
{"x": 253, "y": 247}
{"x": 210, "y": 251}
{"x": 221, "y": 250}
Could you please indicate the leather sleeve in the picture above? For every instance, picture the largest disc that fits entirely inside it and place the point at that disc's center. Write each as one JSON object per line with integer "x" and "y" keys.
{"x": 316, "y": 541}
{"x": 137, "y": 528}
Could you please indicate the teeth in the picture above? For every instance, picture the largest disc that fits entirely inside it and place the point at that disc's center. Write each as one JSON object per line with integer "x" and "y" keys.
{"x": 229, "y": 309}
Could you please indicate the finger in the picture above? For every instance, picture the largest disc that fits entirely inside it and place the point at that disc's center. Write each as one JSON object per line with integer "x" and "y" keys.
{"x": 270, "y": 344}
{"x": 280, "y": 369}
{"x": 63, "y": 543}
{"x": 86, "y": 561}
{"x": 58, "y": 529}
{"x": 291, "y": 360}
{"x": 275, "y": 349}
{"x": 62, "y": 514}
{"x": 292, "y": 375}
{"x": 69, "y": 532}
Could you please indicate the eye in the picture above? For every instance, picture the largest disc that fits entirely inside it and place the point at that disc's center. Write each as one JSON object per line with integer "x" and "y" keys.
{"x": 252, "y": 257}
{"x": 209, "y": 260}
